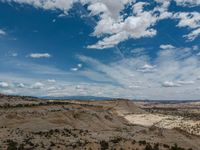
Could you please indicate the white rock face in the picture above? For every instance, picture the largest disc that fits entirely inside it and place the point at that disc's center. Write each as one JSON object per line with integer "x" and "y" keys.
{"x": 165, "y": 121}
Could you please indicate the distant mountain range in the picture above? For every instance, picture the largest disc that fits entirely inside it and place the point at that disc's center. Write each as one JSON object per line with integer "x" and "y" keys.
{"x": 78, "y": 98}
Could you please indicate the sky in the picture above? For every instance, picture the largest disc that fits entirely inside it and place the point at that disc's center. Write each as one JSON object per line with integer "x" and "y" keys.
{"x": 136, "y": 49}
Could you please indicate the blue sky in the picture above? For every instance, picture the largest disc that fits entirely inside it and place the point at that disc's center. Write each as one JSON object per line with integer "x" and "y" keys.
{"x": 125, "y": 48}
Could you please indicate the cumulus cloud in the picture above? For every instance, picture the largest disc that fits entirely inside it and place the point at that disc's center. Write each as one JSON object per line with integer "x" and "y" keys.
{"x": 115, "y": 26}
{"x": 97, "y": 8}
{"x": 40, "y": 55}
{"x": 63, "y": 5}
{"x": 138, "y": 25}
{"x": 112, "y": 27}
{"x": 4, "y": 85}
{"x": 21, "y": 85}
{"x": 190, "y": 20}
{"x": 37, "y": 85}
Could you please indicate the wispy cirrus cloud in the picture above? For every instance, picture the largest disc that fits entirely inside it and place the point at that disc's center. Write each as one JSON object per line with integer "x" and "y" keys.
{"x": 168, "y": 74}
{"x": 188, "y": 3}
{"x": 39, "y": 55}
{"x": 193, "y": 35}
{"x": 172, "y": 74}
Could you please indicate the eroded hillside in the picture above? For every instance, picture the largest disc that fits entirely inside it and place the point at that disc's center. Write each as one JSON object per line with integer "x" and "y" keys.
{"x": 31, "y": 123}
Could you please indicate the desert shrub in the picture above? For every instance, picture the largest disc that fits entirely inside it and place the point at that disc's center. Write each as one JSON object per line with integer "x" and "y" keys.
{"x": 108, "y": 118}
{"x": 42, "y": 145}
{"x": 133, "y": 142}
{"x": 166, "y": 146}
{"x": 21, "y": 147}
{"x": 142, "y": 142}
{"x": 148, "y": 147}
{"x": 156, "y": 146}
{"x": 152, "y": 128}
{"x": 175, "y": 147}
{"x": 116, "y": 140}
{"x": 52, "y": 144}
{"x": 12, "y": 145}
{"x": 104, "y": 145}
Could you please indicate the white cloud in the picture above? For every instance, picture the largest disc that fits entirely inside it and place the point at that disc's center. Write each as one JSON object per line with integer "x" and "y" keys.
{"x": 51, "y": 81}
{"x": 74, "y": 69}
{"x": 167, "y": 46}
{"x": 173, "y": 68}
{"x": 4, "y": 85}
{"x": 189, "y": 3}
{"x": 138, "y": 77}
{"x": 97, "y": 8}
{"x": 193, "y": 35}
{"x": 37, "y": 85}
{"x": 20, "y": 85}
{"x": 14, "y": 54}
{"x": 80, "y": 65}
{"x": 111, "y": 23}
{"x": 170, "y": 84}
{"x": 137, "y": 25}
{"x": 2, "y": 32}
{"x": 190, "y": 20}
{"x": 40, "y": 55}
{"x": 115, "y": 26}
{"x": 195, "y": 47}
{"x": 147, "y": 68}
{"x": 185, "y": 82}
{"x": 63, "y": 5}
{"x": 122, "y": 78}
